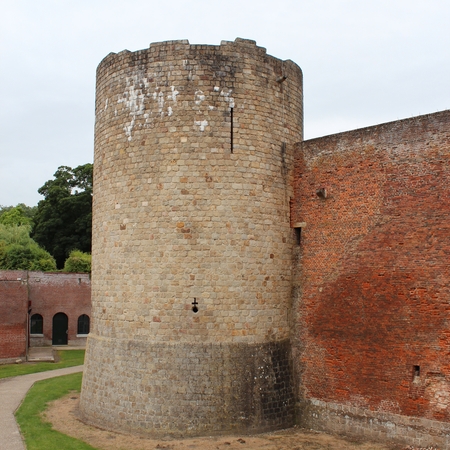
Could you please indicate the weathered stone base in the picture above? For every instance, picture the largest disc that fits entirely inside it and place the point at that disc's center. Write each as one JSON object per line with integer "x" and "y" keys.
{"x": 185, "y": 389}
{"x": 375, "y": 426}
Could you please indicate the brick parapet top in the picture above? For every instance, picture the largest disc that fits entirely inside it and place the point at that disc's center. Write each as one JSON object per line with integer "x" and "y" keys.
{"x": 385, "y": 132}
{"x": 13, "y": 275}
{"x": 23, "y": 275}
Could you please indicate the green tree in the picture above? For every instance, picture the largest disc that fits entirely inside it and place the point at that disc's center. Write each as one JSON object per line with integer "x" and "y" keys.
{"x": 63, "y": 220}
{"x": 78, "y": 262}
{"x": 15, "y": 216}
{"x": 25, "y": 211}
{"x": 19, "y": 252}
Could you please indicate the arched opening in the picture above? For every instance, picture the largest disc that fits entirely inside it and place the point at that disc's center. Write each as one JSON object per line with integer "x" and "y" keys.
{"x": 60, "y": 329}
{"x": 83, "y": 324}
{"x": 36, "y": 324}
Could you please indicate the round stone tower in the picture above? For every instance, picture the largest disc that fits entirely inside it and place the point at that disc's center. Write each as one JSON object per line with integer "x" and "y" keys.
{"x": 191, "y": 278}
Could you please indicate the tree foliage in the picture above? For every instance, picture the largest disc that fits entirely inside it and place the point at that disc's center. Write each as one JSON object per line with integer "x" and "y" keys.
{"x": 29, "y": 211}
{"x": 19, "y": 252}
{"x": 78, "y": 262}
{"x": 63, "y": 220}
{"x": 16, "y": 215}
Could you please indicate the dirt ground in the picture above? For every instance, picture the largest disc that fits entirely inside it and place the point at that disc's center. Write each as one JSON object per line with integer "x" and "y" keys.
{"x": 62, "y": 414}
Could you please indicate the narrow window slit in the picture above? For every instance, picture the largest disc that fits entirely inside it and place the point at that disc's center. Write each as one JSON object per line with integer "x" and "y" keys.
{"x": 298, "y": 235}
{"x": 298, "y": 231}
{"x": 195, "y": 303}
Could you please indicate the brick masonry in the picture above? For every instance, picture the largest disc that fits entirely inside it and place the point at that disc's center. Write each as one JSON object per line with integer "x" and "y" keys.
{"x": 46, "y": 294}
{"x": 52, "y": 293}
{"x": 371, "y": 277}
{"x": 13, "y": 314}
{"x": 192, "y": 174}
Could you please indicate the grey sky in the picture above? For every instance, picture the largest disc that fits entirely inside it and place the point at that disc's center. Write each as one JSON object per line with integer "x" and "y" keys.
{"x": 364, "y": 63}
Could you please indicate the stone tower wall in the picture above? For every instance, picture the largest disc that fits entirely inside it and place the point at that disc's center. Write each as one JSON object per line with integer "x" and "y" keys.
{"x": 193, "y": 156}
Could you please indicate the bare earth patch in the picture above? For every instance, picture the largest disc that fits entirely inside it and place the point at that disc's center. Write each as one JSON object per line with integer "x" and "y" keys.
{"x": 62, "y": 414}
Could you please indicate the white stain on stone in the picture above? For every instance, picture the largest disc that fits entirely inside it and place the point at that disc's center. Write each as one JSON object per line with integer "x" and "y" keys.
{"x": 199, "y": 97}
{"x": 216, "y": 88}
{"x": 132, "y": 97}
{"x": 173, "y": 95}
{"x": 202, "y": 124}
{"x": 161, "y": 103}
{"x": 138, "y": 91}
{"x": 106, "y": 104}
{"x": 227, "y": 97}
{"x": 134, "y": 101}
{"x": 129, "y": 128}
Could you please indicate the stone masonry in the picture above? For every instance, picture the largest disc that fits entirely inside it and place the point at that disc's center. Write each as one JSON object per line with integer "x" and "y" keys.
{"x": 192, "y": 244}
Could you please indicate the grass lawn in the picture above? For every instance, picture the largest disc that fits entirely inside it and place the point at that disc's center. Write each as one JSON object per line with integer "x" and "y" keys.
{"x": 38, "y": 434}
{"x": 67, "y": 358}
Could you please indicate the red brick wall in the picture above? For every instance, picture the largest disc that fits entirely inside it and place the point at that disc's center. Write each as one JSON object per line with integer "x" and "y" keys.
{"x": 51, "y": 293}
{"x": 13, "y": 314}
{"x": 372, "y": 270}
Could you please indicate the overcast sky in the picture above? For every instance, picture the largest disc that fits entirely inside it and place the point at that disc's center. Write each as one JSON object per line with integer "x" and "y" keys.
{"x": 364, "y": 63}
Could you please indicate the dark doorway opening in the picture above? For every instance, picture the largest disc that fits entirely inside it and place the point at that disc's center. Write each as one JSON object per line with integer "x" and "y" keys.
{"x": 60, "y": 329}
